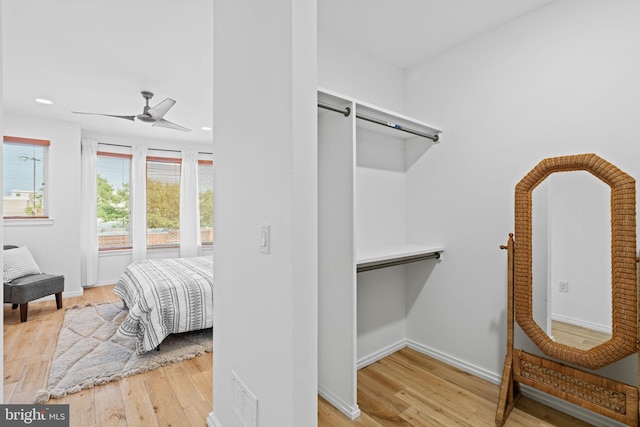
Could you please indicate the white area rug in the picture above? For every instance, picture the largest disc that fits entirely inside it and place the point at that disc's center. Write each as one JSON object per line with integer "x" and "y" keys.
{"x": 90, "y": 353}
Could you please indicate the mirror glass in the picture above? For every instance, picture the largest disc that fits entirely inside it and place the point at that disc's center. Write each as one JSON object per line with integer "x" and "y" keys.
{"x": 571, "y": 259}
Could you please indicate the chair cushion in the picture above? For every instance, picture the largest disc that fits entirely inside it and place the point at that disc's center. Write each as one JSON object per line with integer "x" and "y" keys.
{"x": 29, "y": 288}
{"x": 18, "y": 263}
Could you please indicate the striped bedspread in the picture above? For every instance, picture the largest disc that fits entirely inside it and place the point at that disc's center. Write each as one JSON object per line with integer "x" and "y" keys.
{"x": 166, "y": 296}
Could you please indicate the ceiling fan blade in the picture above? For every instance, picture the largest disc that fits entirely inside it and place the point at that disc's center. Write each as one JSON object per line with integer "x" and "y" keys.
{"x": 167, "y": 124}
{"x": 107, "y": 115}
{"x": 158, "y": 111}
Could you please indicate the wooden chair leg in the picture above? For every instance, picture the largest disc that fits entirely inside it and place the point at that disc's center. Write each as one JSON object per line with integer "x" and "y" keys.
{"x": 23, "y": 311}
{"x": 14, "y": 306}
{"x": 59, "y": 300}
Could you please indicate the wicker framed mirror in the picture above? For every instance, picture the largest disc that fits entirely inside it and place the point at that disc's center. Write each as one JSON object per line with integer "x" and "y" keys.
{"x": 623, "y": 340}
{"x": 605, "y": 396}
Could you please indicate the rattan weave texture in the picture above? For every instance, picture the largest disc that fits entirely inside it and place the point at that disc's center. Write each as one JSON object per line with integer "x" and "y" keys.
{"x": 623, "y": 261}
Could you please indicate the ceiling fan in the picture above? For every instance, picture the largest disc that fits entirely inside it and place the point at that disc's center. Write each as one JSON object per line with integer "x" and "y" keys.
{"x": 154, "y": 115}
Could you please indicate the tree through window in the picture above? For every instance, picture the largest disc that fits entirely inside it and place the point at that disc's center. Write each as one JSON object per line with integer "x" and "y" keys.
{"x": 205, "y": 195}
{"x": 163, "y": 202}
{"x": 114, "y": 199}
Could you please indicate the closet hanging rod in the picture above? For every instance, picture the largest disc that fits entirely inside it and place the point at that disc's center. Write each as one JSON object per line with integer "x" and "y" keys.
{"x": 374, "y": 265}
{"x": 347, "y": 111}
{"x": 434, "y": 138}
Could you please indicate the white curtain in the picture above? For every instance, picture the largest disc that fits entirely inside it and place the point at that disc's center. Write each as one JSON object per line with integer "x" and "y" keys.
{"x": 89, "y": 225}
{"x": 189, "y": 205}
{"x": 139, "y": 202}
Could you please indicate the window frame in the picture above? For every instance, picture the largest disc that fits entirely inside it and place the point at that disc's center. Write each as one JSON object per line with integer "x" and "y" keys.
{"x": 45, "y": 176}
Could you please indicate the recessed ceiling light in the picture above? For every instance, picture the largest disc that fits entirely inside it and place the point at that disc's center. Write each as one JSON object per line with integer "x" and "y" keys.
{"x": 43, "y": 101}
{"x": 205, "y": 128}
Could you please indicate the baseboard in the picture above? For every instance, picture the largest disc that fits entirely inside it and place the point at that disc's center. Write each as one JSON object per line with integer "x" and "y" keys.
{"x": 455, "y": 362}
{"x": 72, "y": 294}
{"x": 381, "y": 354}
{"x": 64, "y": 295}
{"x": 104, "y": 283}
{"x": 537, "y": 395}
{"x": 212, "y": 420}
{"x": 582, "y": 323}
{"x": 350, "y": 411}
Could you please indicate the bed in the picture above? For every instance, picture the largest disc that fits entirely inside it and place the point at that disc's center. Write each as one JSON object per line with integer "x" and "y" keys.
{"x": 165, "y": 296}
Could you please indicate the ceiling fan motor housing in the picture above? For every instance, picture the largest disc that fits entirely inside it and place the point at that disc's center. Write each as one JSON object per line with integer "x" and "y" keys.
{"x": 145, "y": 116}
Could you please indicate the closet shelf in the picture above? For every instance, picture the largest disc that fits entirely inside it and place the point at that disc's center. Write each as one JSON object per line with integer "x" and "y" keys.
{"x": 388, "y": 256}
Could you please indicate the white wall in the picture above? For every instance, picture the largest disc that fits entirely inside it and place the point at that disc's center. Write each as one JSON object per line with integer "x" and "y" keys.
{"x": 265, "y": 305}
{"x": 1, "y": 183}
{"x": 541, "y": 252}
{"x": 345, "y": 69}
{"x": 562, "y": 80}
{"x": 580, "y": 242}
{"x": 55, "y": 247}
{"x": 380, "y": 221}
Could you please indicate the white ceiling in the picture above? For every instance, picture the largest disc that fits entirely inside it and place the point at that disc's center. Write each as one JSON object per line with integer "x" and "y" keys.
{"x": 97, "y": 56}
{"x": 405, "y": 32}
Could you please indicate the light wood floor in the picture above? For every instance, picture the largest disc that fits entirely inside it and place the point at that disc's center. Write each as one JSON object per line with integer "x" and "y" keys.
{"x": 404, "y": 389}
{"x": 577, "y": 336}
{"x": 177, "y": 395}
{"x": 411, "y": 389}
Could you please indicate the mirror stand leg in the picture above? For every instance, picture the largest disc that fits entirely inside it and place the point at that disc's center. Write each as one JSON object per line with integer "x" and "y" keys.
{"x": 509, "y": 393}
{"x": 509, "y": 388}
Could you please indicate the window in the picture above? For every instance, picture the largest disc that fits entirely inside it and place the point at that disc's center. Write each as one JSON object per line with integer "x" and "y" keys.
{"x": 163, "y": 178}
{"x": 163, "y": 202}
{"x": 24, "y": 167}
{"x": 205, "y": 194}
{"x": 113, "y": 198}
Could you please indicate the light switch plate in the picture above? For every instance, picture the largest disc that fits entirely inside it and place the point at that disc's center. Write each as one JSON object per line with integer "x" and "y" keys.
{"x": 563, "y": 287}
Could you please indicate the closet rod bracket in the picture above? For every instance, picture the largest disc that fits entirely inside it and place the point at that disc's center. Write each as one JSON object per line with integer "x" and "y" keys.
{"x": 346, "y": 111}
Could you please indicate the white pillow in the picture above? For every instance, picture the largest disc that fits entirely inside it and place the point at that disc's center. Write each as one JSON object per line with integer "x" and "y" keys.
{"x": 18, "y": 262}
